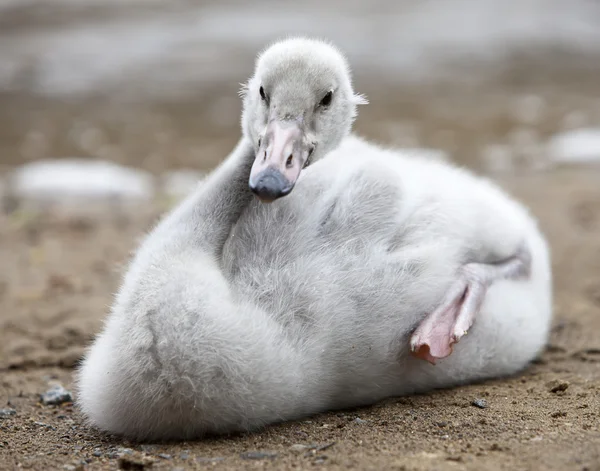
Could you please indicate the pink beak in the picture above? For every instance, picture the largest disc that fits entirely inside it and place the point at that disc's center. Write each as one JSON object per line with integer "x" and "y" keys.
{"x": 280, "y": 158}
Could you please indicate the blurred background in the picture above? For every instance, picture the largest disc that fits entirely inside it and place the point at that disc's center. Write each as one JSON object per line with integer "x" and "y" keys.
{"x": 153, "y": 84}
{"x": 111, "y": 110}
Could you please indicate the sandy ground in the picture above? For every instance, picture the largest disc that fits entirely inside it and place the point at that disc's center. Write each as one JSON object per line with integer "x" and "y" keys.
{"x": 59, "y": 270}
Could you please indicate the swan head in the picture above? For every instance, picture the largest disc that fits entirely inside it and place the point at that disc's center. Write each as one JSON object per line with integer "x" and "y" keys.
{"x": 298, "y": 106}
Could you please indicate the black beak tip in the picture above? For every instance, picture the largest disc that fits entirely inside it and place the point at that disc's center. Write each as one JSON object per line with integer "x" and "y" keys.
{"x": 268, "y": 193}
{"x": 270, "y": 185}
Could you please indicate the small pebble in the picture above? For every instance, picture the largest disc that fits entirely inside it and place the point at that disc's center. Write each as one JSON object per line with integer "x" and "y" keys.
{"x": 56, "y": 395}
{"x": 358, "y": 420}
{"x": 4, "y": 413}
{"x": 42, "y": 424}
{"x": 557, "y": 385}
{"x": 257, "y": 455}
{"x": 184, "y": 456}
{"x": 164, "y": 456}
{"x": 97, "y": 453}
{"x": 481, "y": 403}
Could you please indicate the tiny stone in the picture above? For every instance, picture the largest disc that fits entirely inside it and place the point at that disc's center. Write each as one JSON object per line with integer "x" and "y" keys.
{"x": 42, "y": 424}
{"x": 127, "y": 451}
{"x": 557, "y": 385}
{"x": 4, "y": 413}
{"x": 481, "y": 403}
{"x": 97, "y": 453}
{"x": 358, "y": 420}
{"x": 441, "y": 424}
{"x": 257, "y": 455}
{"x": 164, "y": 456}
{"x": 56, "y": 395}
{"x": 184, "y": 456}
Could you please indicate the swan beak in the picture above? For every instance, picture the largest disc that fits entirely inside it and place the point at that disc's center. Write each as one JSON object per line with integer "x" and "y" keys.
{"x": 279, "y": 160}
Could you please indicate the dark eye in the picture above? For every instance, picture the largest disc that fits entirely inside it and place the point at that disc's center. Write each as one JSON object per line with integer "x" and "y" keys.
{"x": 326, "y": 101}
{"x": 263, "y": 95}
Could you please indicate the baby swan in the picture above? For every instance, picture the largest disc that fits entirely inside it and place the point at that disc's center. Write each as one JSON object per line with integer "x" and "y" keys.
{"x": 235, "y": 313}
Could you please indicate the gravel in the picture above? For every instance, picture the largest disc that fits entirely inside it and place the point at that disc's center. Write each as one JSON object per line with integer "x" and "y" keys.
{"x": 480, "y": 403}
{"x": 56, "y": 395}
{"x": 557, "y": 385}
{"x": 4, "y": 413}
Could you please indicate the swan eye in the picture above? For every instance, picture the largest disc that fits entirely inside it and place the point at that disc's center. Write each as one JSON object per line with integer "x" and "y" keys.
{"x": 263, "y": 95}
{"x": 289, "y": 161}
{"x": 326, "y": 100}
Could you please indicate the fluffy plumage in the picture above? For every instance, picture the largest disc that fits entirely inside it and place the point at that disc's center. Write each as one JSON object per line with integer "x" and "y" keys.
{"x": 235, "y": 314}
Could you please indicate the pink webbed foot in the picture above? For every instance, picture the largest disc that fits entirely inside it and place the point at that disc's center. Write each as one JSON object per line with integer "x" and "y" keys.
{"x": 450, "y": 321}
